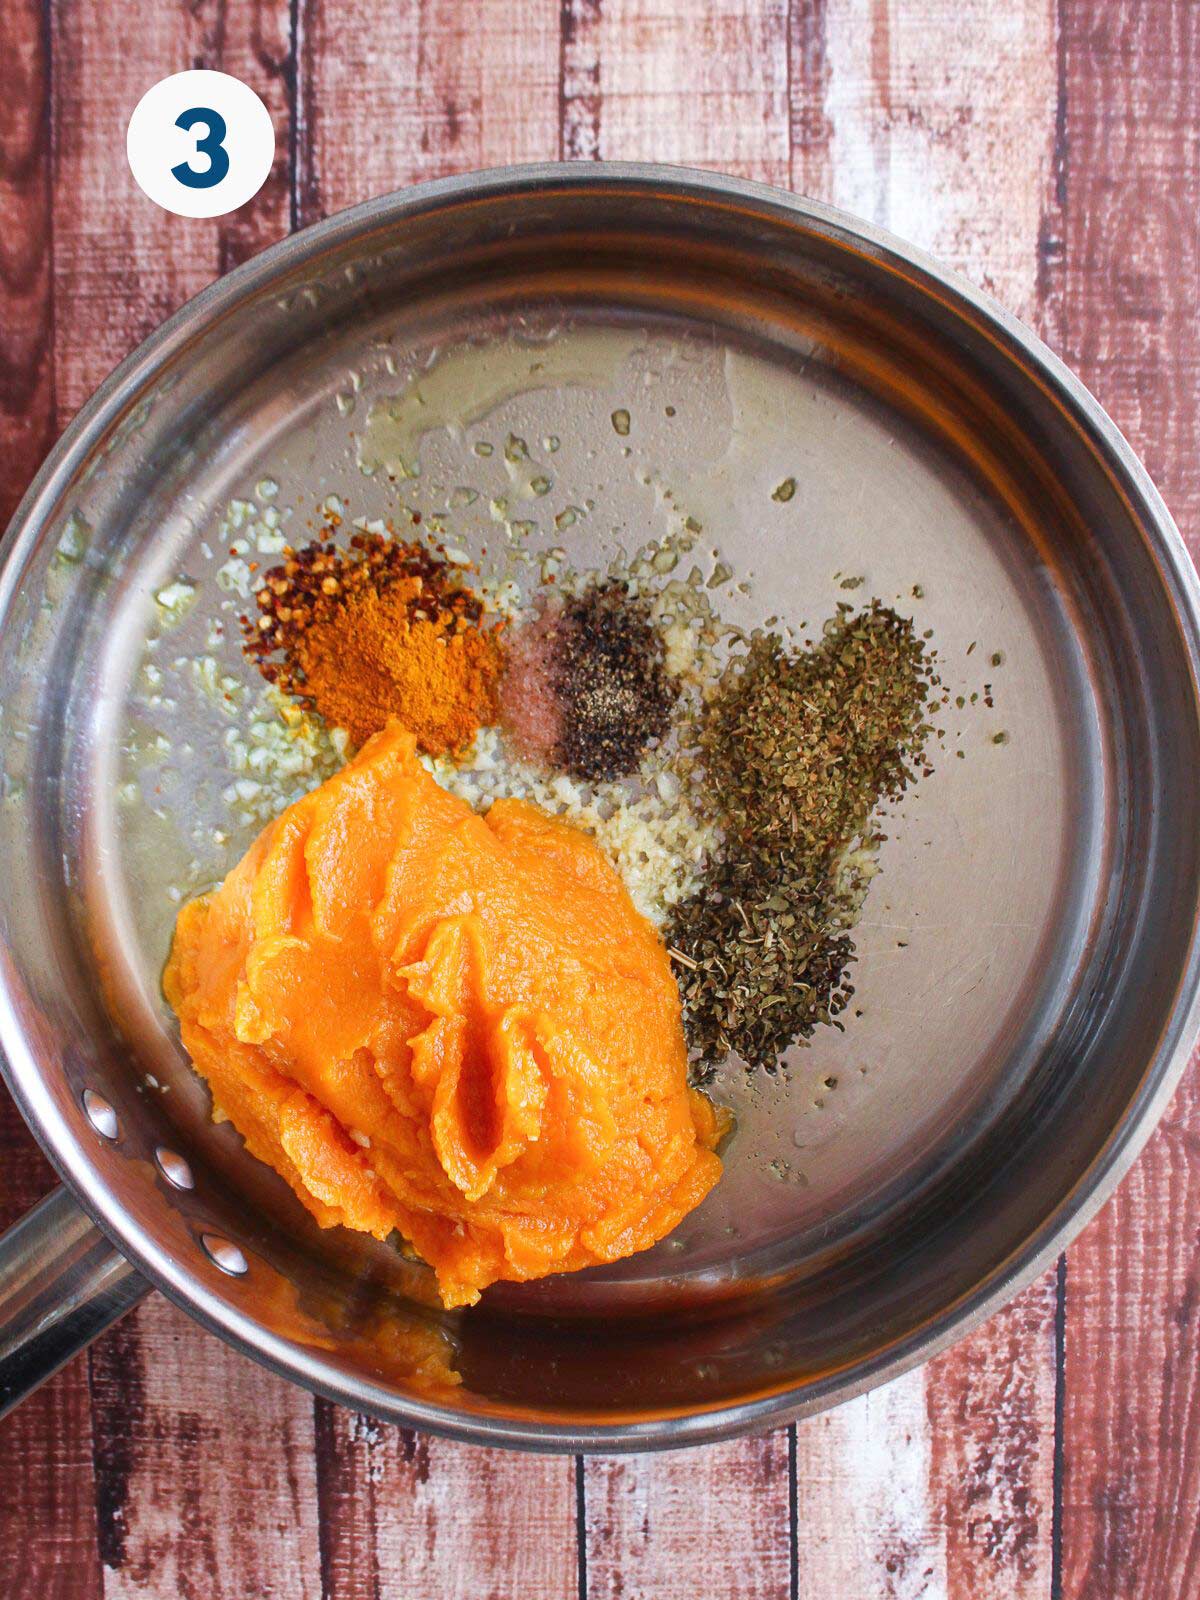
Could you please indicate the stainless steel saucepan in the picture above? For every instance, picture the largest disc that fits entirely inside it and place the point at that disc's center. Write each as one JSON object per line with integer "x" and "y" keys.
{"x": 1027, "y": 967}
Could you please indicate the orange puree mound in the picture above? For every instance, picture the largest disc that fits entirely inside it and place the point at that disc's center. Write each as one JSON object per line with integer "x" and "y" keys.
{"x": 452, "y": 1025}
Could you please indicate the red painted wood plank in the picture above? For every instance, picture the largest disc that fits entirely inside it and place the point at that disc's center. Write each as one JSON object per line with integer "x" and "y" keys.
{"x": 173, "y": 1411}
{"x": 409, "y": 1514}
{"x": 1131, "y": 1438}
{"x": 580, "y": 90}
{"x": 991, "y": 1421}
{"x": 706, "y": 87}
{"x": 391, "y": 95}
{"x": 46, "y": 1543}
{"x": 711, "y": 1522}
{"x": 962, "y": 119}
{"x": 1132, "y": 107}
{"x": 939, "y": 122}
{"x": 940, "y": 1484}
{"x": 1131, "y": 303}
{"x": 47, "y": 1519}
{"x": 205, "y": 1467}
{"x": 27, "y": 420}
{"x": 253, "y": 41}
{"x": 121, "y": 263}
{"x": 48, "y": 1508}
{"x": 940, "y": 119}
{"x": 669, "y": 81}
{"x": 388, "y": 96}
{"x": 810, "y": 130}
{"x": 866, "y": 1521}
{"x": 26, "y": 326}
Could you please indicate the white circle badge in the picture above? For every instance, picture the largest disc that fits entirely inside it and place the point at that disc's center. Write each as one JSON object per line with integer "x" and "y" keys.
{"x": 200, "y": 143}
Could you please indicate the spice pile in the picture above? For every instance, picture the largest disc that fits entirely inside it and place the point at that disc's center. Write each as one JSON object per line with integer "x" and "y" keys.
{"x": 587, "y": 688}
{"x": 798, "y": 748}
{"x": 741, "y": 818}
{"x": 383, "y": 629}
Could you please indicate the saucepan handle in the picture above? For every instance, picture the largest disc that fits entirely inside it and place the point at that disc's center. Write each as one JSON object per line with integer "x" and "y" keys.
{"x": 61, "y": 1285}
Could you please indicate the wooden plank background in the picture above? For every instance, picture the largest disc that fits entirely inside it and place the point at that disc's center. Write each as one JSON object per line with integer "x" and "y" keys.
{"x": 1051, "y": 150}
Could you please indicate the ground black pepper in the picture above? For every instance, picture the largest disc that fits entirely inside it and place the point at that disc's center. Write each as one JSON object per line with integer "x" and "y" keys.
{"x": 611, "y": 682}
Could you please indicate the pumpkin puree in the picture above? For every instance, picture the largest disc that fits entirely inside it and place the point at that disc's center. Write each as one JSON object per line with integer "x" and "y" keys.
{"x": 451, "y": 1025}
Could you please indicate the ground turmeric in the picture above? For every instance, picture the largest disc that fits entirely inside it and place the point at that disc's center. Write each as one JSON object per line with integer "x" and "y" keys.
{"x": 371, "y": 661}
{"x": 384, "y": 629}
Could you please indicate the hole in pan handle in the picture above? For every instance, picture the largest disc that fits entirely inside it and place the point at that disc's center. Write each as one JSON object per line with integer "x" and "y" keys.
{"x": 61, "y": 1285}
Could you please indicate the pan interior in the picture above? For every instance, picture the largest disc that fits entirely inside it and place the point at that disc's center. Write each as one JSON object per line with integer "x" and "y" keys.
{"x": 888, "y": 1168}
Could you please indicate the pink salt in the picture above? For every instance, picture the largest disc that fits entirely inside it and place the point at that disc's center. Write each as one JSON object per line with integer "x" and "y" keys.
{"x": 529, "y": 708}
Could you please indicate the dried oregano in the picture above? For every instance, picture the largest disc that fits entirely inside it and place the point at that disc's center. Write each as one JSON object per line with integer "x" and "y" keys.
{"x": 798, "y": 749}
